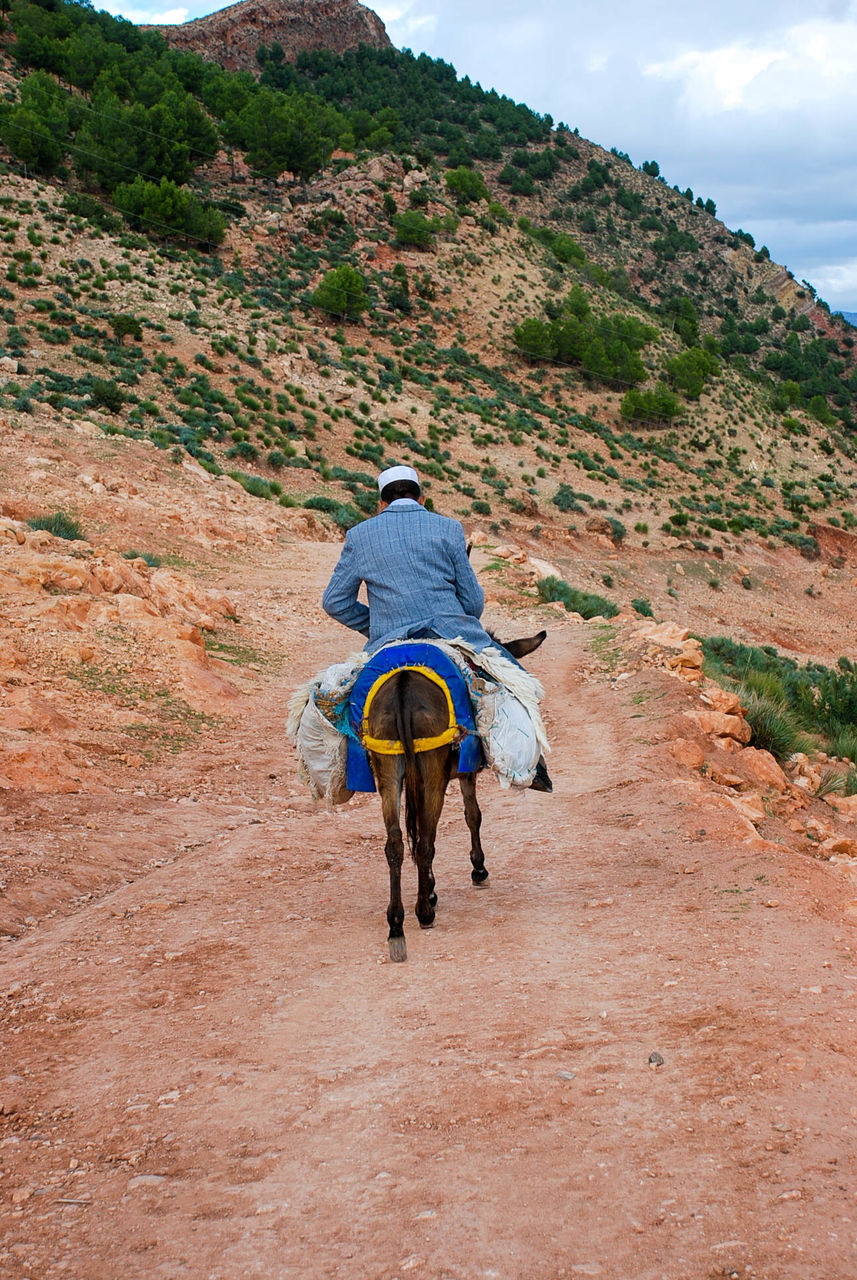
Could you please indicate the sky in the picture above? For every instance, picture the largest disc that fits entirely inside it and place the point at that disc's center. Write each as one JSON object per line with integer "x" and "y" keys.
{"x": 750, "y": 104}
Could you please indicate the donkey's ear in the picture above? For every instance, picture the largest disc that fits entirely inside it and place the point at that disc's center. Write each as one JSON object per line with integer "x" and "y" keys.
{"x": 520, "y": 648}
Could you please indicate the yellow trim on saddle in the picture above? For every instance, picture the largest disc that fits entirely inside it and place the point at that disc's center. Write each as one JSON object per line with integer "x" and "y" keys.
{"x": 391, "y": 747}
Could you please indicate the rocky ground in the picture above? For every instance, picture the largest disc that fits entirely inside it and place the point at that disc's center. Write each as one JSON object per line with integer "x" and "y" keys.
{"x": 631, "y": 1054}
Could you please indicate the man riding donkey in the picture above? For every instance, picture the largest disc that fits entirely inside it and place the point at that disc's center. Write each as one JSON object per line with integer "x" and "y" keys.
{"x": 419, "y": 580}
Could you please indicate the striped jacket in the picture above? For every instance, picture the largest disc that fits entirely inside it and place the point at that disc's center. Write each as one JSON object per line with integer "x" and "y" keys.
{"x": 419, "y": 581}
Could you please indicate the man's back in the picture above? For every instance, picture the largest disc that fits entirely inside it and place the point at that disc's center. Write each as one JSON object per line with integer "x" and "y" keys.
{"x": 417, "y": 574}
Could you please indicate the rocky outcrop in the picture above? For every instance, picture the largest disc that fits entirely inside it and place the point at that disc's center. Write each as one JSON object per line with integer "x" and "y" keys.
{"x": 231, "y": 36}
{"x": 835, "y": 544}
{"x": 131, "y": 636}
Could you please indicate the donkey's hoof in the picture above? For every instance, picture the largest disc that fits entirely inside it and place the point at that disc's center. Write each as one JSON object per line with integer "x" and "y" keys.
{"x": 398, "y": 950}
{"x": 428, "y": 923}
{"x": 479, "y": 876}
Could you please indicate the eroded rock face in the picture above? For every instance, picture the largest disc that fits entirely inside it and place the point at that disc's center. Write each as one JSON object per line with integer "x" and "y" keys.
{"x": 129, "y": 637}
{"x": 231, "y": 36}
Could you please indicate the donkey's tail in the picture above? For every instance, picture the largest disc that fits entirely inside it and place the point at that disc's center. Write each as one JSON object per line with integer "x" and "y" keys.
{"x": 405, "y": 730}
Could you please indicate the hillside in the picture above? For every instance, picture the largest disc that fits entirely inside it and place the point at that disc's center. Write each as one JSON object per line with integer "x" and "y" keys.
{"x": 581, "y": 361}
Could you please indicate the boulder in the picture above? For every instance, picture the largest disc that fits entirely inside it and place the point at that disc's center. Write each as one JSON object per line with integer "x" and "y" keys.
{"x": 688, "y": 753}
{"x": 763, "y": 769}
{"x": 750, "y": 806}
{"x": 841, "y": 846}
{"x": 717, "y": 724}
{"x": 722, "y": 700}
{"x": 846, "y": 806}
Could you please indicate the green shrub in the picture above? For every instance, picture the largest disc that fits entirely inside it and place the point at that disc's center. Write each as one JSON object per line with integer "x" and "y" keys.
{"x": 342, "y": 292}
{"x": 844, "y": 743}
{"x": 534, "y": 338}
{"x": 278, "y": 458}
{"x": 151, "y": 560}
{"x": 59, "y": 524}
{"x": 657, "y": 405}
{"x": 254, "y": 485}
{"x": 170, "y": 210}
{"x": 643, "y": 607}
{"x": 566, "y": 499}
{"x": 106, "y": 395}
{"x": 466, "y": 185}
{"x": 414, "y": 228}
{"x": 689, "y": 370}
{"x": 774, "y": 727}
{"x": 765, "y": 684}
{"x": 342, "y": 514}
{"x": 585, "y": 603}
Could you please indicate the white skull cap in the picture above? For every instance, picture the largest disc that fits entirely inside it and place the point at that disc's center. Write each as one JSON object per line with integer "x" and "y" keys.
{"x": 392, "y": 474}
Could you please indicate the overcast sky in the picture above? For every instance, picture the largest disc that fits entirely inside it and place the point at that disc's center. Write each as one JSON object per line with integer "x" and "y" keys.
{"x": 751, "y": 104}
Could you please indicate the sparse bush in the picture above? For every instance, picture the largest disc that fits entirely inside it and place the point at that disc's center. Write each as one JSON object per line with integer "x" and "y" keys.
{"x": 151, "y": 560}
{"x": 643, "y": 607}
{"x": 59, "y": 524}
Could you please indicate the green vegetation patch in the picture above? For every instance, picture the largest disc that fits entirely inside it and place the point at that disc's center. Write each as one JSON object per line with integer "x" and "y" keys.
{"x": 786, "y": 702}
{"x": 587, "y": 604}
{"x": 60, "y": 524}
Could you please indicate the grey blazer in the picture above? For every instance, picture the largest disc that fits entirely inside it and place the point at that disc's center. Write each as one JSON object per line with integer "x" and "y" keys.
{"x": 418, "y": 579}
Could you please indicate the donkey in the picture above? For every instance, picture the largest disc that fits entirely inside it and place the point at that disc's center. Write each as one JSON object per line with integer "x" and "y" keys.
{"x": 408, "y": 707}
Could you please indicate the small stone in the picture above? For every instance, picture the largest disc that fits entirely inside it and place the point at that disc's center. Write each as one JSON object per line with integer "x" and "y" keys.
{"x": 566, "y": 1075}
{"x": 655, "y": 1059}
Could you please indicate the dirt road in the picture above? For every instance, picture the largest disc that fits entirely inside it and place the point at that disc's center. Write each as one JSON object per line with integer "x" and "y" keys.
{"x": 214, "y": 1072}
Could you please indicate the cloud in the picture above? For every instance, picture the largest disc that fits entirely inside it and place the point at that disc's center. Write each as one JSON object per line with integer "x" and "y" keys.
{"x": 151, "y": 17}
{"x": 404, "y": 24}
{"x": 836, "y": 282}
{"x": 810, "y": 64}
{"x": 717, "y": 79}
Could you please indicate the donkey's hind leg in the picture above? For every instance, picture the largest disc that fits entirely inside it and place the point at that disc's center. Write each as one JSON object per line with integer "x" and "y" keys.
{"x": 473, "y": 818}
{"x": 434, "y": 771}
{"x": 388, "y": 776}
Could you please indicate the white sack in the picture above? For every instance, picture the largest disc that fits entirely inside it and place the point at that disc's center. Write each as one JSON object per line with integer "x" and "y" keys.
{"x": 509, "y": 737}
{"x": 322, "y": 753}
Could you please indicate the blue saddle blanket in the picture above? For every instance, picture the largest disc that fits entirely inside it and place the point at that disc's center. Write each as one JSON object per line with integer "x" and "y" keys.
{"x": 391, "y": 658}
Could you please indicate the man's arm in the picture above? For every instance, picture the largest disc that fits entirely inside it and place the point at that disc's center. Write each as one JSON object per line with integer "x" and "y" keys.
{"x": 467, "y": 588}
{"x": 340, "y": 597}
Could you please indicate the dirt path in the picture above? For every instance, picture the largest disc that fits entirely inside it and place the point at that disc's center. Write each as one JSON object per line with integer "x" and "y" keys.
{"x": 214, "y": 1072}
